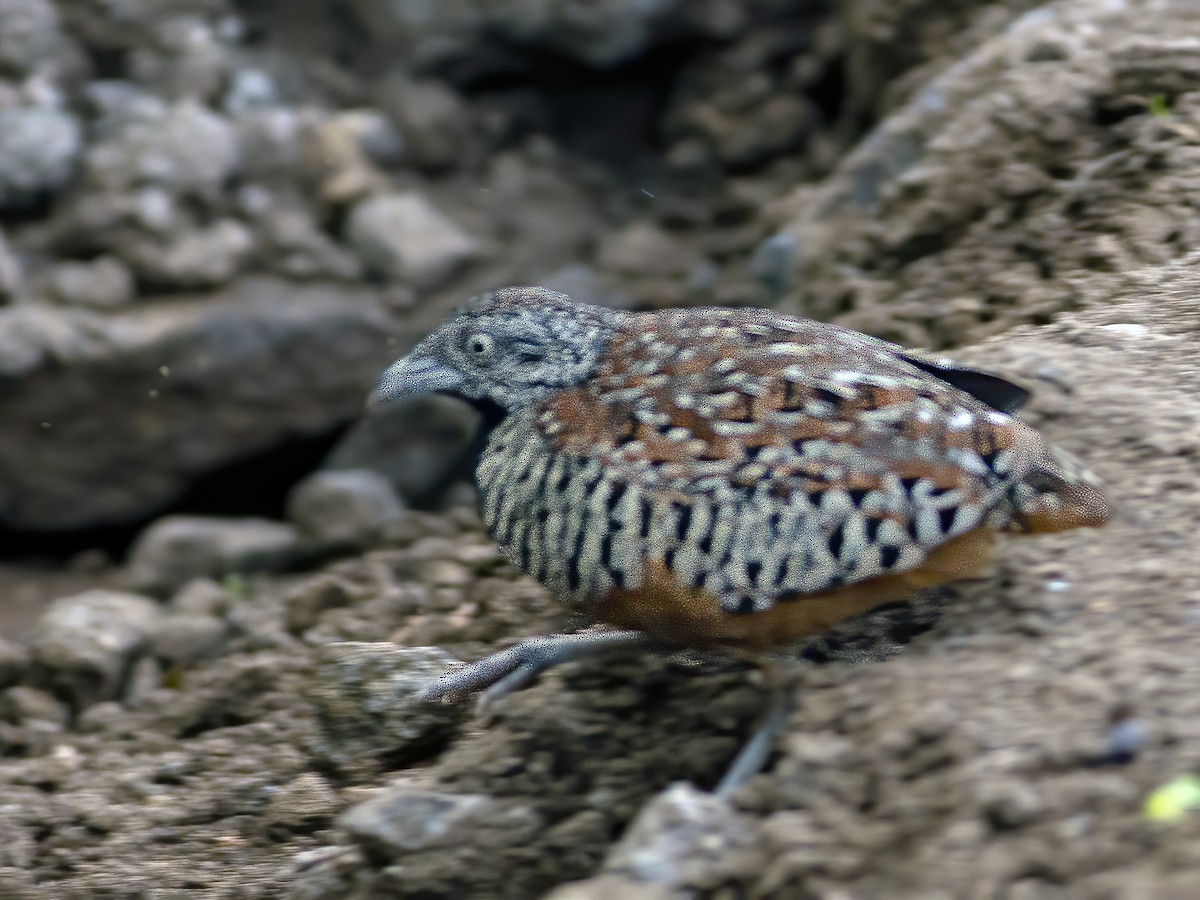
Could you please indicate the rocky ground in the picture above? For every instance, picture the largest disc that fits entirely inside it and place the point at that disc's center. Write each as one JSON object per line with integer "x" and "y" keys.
{"x": 219, "y": 221}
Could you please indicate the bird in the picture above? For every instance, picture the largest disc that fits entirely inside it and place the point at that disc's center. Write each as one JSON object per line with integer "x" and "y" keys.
{"x": 728, "y": 478}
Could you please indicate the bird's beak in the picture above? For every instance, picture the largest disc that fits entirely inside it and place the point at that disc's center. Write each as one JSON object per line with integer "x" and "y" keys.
{"x": 411, "y": 375}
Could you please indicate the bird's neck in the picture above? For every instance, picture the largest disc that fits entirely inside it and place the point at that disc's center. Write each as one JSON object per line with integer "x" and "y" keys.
{"x": 491, "y": 414}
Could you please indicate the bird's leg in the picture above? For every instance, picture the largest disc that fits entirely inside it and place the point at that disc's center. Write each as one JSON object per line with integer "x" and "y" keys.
{"x": 754, "y": 753}
{"x": 509, "y": 670}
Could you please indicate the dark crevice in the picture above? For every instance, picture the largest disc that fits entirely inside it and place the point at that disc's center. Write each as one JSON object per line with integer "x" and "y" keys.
{"x": 608, "y": 116}
{"x": 108, "y": 63}
{"x": 255, "y": 485}
{"x": 828, "y": 93}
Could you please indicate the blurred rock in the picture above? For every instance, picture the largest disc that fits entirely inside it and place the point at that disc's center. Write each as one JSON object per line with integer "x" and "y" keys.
{"x": 14, "y": 662}
{"x": 182, "y": 58}
{"x": 586, "y": 285}
{"x": 250, "y": 89}
{"x": 596, "y": 34}
{"x": 200, "y": 258}
{"x": 406, "y": 819}
{"x": 893, "y": 47}
{"x": 298, "y": 248}
{"x": 176, "y": 549}
{"x": 418, "y": 444}
{"x": 434, "y": 121}
{"x": 109, "y": 417}
{"x": 183, "y": 639}
{"x": 367, "y": 705}
{"x": 183, "y": 147}
{"x": 12, "y": 280}
{"x": 644, "y": 249}
{"x": 304, "y": 803}
{"x": 947, "y": 223}
{"x": 39, "y": 149}
{"x": 29, "y": 35}
{"x": 403, "y": 237}
{"x": 687, "y": 840}
{"x": 308, "y": 600}
{"x": 343, "y": 509}
{"x": 340, "y": 153}
{"x": 83, "y": 646}
{"x": 202, "y": 597}
{"x": 103, "y": 283}
{"x": 27, "y": 704}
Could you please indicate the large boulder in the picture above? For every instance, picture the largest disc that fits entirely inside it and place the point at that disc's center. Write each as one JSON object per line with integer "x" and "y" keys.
{"x": 108, "y": 418}
{"x": 1061, "y": 146}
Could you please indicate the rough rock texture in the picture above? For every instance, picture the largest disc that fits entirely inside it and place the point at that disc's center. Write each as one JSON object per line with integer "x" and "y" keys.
{"x": 111, "y": 418}
{"x": 1032, "y": 163}
{"x": 84, "y": 646}
{"x": 403, "y": 238}
{"x": 370, "y": 717}
{"x": 176, "y": 550}
{"x": 346, "y": 508}
{"x": 39, "y": 148}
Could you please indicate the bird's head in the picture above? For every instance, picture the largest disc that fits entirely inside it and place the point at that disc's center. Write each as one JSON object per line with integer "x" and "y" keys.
{"x": 504, "y": 350}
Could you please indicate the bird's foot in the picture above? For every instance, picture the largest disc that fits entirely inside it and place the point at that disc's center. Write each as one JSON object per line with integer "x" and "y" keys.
{"x": 499, "y": 674}
{"x": 753, "y": 756}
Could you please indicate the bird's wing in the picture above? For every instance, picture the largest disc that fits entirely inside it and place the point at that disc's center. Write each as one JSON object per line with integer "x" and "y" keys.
{"x": 761, "y": 456}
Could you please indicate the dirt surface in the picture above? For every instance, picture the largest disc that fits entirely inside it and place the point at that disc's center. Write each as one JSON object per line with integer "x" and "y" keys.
{"x": 1006, "y": 752}
{"x": 229, "y": 712}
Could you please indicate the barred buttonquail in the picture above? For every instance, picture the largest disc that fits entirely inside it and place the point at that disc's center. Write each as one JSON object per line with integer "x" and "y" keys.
{"x": 729, "y": 477}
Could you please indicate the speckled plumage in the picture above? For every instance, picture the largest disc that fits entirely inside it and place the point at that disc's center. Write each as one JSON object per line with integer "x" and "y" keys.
{"x": 681, "y": 470}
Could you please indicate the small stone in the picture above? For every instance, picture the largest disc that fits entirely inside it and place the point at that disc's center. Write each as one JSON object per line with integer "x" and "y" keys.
{"x": 203, "y": 258}
{"x": 145, "y": 682}
{"x": 39, "y": 148}
{"x": 184, "y": 147}
{"x": 367, "y": 704}
{"x": 406, "y": 819}
{"x": 1123, "y": 742}
{"x": 611, "y": 887}
{"x": 184, "y": 639}
{"x": 339, "y": 153}
{"x": 302, "y": 804}
{"x": 250, "y": 89}
{"x": 299, "y": 248}
{"x": 586, "y": 285}
{"x": 103, "y": 283}
{"x": 308, "y": 600}
{"x": 176, "y": 549}
{"x": 403, "y": 237}
{"x": 643, "y": 249}
{"x": 202, "y": 597}
{"x": 27, "y": 704}
{"x": 183, "y": 57}
{"x": 434, "y": 121}
{"x": 29, "y": 35}
{"x": 416, "y": 444}
{"x": 1010, "y": 804}
{"x": 682, "y": 838}
{"x": 14, "y": 662}
{"x": 107, "y": 715}
{"x": 12, "y": 279}
{"x": 83, "y": 646}
{"x": 343, "y": 509}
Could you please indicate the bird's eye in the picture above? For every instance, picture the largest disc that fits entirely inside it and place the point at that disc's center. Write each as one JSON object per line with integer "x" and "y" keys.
{"x": 481, "y": 346}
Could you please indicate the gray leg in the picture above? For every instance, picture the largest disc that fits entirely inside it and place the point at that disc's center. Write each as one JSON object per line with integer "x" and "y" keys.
{"x": 754, "y": 753}
{"x": 509, "y": 670}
